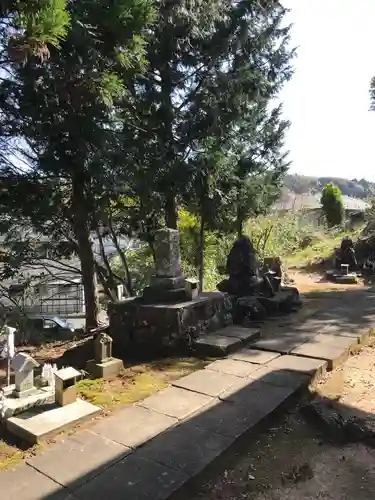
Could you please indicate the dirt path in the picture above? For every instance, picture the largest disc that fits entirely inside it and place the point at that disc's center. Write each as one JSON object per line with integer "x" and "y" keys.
{"x": 296, "y": 459}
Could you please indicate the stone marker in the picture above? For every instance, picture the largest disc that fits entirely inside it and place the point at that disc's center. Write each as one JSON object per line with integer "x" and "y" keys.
{"x": 65, "y": 386}
{"x": 168, "y": 284}
{"x": 104, "y": 365}
{"x": 23, "y": 366}
{"x": 167, "y": 253}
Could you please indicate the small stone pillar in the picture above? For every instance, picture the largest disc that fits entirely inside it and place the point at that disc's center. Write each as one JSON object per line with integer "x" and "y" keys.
{"x": 23, "y": 366}
{"x": 65, "y": 386}
{"x": 104, "y": 365}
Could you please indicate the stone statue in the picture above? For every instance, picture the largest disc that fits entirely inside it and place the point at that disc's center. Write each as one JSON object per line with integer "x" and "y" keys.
{"x": 243, "y": 270}
{"x": 346, "y": 254}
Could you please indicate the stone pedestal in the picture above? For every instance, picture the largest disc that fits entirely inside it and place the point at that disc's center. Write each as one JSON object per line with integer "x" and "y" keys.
{"x": 107, "y": 369}
{"x": 149, "y": 329}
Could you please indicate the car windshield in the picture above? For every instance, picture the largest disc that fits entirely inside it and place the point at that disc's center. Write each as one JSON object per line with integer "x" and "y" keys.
{"x": 59, "y": 322}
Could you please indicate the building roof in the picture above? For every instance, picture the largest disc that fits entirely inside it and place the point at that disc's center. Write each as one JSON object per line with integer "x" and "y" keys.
{"x": 311, "y": 201}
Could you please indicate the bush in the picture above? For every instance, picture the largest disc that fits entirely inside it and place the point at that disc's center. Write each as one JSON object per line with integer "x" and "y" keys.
{"x": 332, "y": 205}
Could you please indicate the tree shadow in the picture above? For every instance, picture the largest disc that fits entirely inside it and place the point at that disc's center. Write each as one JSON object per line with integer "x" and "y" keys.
{"x": 201, "y": 444}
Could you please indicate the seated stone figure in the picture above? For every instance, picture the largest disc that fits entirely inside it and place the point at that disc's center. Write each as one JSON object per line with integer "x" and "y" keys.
{"x": 243, "y": 270}
{"x": 346, "y": 254}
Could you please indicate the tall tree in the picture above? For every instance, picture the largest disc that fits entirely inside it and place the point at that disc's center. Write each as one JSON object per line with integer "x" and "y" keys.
{"x": 63, "y": 109}
{"x": 209, "y": 62}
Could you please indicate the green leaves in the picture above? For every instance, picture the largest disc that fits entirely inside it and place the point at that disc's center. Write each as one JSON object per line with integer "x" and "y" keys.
{"x": 332, "y": 205}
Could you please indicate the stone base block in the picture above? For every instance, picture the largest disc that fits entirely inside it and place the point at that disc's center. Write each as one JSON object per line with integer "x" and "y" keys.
{"x": 153, "y": 294}
{"x": 14, "y": 406}
{"x": 167, "y": 283}
{"x": 107, "y": 369}
{"x": 38, "y": 424}
{"x": 149, "y": 329}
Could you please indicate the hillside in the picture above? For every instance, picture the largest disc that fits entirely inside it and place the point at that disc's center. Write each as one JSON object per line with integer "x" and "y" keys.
{"x": 300, "y": 184}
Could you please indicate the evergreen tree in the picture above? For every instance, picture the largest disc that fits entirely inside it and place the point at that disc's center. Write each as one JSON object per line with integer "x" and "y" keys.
{"x": 63, "y": 109}
{"x": 332, "y": 205}
{"x": 209, "y": 62}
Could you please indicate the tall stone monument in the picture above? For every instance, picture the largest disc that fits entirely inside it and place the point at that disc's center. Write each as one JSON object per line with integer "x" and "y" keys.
{"x": 171, "y": 313}
{"x": 168, "y": 283}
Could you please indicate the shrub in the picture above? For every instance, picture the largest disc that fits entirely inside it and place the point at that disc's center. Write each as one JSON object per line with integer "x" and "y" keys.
{"x": 332, "y": 205}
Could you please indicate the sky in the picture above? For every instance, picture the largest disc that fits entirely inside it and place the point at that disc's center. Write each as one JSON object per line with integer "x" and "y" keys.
{"x": 327, "y": 100}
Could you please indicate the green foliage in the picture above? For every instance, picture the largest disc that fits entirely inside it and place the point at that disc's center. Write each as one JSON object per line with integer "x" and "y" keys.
{"x": 332, "y": 205}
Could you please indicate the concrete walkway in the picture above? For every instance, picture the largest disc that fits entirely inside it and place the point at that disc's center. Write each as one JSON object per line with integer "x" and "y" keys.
{"x": 149, "y": 450}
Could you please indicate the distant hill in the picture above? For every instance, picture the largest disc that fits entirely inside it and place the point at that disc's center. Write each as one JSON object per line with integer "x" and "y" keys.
{"x": 301, "y": 184}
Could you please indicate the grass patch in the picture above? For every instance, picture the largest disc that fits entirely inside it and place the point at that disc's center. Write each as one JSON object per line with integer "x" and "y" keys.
{"x": 137, "y": 382}
{"x": 10, "y": 456}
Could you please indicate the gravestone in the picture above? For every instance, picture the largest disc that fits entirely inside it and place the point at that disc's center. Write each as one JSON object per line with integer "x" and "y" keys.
{"x": 23, "y": 366}
{"x": 168, "y": 284}
{"x": 104, "y": 365}
{"x": 167, "y": 253}
{"x": 103, "y": 348}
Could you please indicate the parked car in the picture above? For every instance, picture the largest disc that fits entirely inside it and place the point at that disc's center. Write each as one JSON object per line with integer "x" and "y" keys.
{"x": 45, "y": 328}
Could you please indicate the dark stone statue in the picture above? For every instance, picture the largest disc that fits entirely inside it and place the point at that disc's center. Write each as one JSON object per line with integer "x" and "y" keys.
{"x": 346, "y": 254}
{"x": 243, "y": 270}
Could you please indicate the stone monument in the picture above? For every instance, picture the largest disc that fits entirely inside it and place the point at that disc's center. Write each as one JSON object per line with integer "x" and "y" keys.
{"x": 23, "y": 366}
{"x": 104, "y": 365}
{"x": 168, "y": 284}
{"x": 170, "y": 313}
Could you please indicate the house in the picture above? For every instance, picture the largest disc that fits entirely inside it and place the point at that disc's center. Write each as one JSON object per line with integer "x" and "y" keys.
{"x": 53, "y": 287}
{"x": 309, "y": 207}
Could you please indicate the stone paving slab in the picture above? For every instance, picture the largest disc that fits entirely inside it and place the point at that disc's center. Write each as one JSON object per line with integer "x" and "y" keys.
{"x": 175, "y": 402}
{"x": 333, "y": 354}
{"x": 133, "y": 478}
{"x": 35, "y": 425}
{"x": 254, "y": 356}
{"x": 134, "y": 426}
{"x": 315, "y": 368}
{"x": 337, "y": 330}
{"x": 233, "y": 367}
{"x": 281, "y": 377}
{"x": 209, "y": 382}
{"x": 283, "y": 344}
{"x": 25, "y": 483}
{"x": 186, "y": 448}
{"x": 78, "y": 458}
{"x": 216, "y": 345}
{"x": 329, "y": 339}
{"x": 239, "y": 332}
{"x": 247, "y": 408}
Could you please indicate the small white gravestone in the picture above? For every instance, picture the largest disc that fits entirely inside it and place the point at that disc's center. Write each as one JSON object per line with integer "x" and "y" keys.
{"x": 23, "y": 366}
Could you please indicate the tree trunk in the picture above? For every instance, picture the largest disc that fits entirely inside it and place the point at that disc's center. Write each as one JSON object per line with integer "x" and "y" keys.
{"x": 85, "y": 251}
{"x": 239, "y": 222}
{"x": 170, "y": 211}
{"x": 201, "y": 254}
{"x": 129, "y": 285}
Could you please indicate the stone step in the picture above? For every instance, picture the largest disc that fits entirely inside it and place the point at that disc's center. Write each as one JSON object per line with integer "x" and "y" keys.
{"x": 226, "y": 340}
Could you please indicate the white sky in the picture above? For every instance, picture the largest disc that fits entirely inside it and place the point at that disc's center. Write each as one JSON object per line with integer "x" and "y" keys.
{"x": 327, "y": 100}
